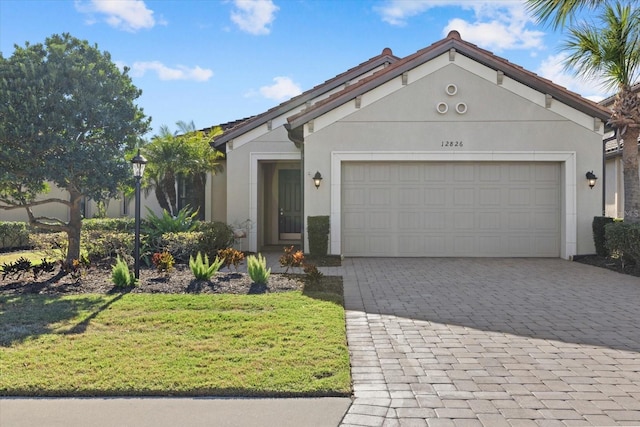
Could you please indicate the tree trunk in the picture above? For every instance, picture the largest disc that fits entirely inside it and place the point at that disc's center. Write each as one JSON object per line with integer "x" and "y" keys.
{"x": 199, "y": 182}
{"x": 74, "y": 227}
{"x": 631, "y": 178}
{"x": 162, "y": 198}
{"x": 169, "y": 187}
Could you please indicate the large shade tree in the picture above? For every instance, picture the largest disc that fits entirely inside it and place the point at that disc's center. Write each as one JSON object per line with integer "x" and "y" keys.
{"x": 67, "y": 117}
{"x": 608, "y": 49}
{"x": 186, "y": 154}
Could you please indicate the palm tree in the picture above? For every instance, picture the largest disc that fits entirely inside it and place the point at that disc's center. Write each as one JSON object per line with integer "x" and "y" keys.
{"x": 611, "y": 52}
{"x": 558, "y": 12}
{"x": 187, "y": 153}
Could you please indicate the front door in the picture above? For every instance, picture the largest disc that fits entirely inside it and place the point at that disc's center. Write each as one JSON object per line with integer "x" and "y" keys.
{"x": 289, "y": 204}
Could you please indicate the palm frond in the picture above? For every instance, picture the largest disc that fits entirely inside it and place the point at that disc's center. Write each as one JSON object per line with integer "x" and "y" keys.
{"x": 559, "y": 12}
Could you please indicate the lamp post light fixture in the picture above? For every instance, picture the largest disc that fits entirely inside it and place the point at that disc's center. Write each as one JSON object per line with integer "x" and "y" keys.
{"x": 316, "y": 179}
{"x": 138, "y": 163}
{"x": 592, "y": 178}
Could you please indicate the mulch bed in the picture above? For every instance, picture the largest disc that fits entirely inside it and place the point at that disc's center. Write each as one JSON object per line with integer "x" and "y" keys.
{"x": 97, "y": 279}
{"x": 614, "y": 264}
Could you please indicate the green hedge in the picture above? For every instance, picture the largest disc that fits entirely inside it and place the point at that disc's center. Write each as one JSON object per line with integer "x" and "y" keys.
{"x": 214, "y": 236}
{"x": 599, "y": 239}
{"x": 181, "y": 245}
{"x": 14, "y": 235}
{"x": 109, "y": 224}
{"x": 623, "y": 239}
{"x": 106, "y": 244}
{"x": 318, "y": 231}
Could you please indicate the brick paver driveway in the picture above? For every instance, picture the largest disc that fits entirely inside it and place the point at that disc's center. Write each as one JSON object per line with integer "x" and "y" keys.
{"x": 493, "y": 342}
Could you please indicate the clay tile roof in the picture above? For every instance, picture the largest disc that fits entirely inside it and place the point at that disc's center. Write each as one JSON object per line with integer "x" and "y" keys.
{"x": 608, "y": 102}
{"x": 452, "y": 41}
{"x": 245, "y": 125}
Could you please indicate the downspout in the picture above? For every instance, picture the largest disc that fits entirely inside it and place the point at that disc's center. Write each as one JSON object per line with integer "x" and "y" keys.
{"x": 604, "y": 176}
{"x": 302, "y": 227}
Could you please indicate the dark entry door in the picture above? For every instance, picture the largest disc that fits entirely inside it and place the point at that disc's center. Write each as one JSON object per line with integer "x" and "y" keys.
{"x": 289, "y": 204}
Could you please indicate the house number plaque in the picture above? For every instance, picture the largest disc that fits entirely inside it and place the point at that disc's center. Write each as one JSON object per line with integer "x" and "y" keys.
{"x": 452, "y": 144}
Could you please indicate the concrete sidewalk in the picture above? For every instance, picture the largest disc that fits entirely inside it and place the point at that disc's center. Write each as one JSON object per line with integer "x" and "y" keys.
{"x": 172, "y": 412}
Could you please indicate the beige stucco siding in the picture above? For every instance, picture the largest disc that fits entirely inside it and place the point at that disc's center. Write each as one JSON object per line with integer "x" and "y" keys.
{"x": 497, "y": 122}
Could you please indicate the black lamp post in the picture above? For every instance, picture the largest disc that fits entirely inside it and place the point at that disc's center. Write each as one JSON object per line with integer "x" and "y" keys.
{"x": 138, "y": 163}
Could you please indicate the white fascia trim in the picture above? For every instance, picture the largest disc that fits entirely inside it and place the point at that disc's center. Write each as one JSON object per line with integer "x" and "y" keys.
{"x": 568, "y": 244}
{"x": 253, "y": 189}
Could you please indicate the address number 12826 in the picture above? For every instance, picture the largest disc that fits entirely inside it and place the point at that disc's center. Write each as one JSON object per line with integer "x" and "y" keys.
{"x": 452, "y": 144}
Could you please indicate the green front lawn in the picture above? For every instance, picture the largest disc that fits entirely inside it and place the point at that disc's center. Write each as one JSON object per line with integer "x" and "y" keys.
{"x": 280, "y": 344}
{"x": 34, "y": 256}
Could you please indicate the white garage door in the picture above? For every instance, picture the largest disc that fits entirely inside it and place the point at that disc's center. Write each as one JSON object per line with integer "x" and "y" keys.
{"x": 451, "y": 209}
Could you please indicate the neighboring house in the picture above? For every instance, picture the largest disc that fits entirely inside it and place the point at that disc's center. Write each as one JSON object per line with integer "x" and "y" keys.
{"x": 211, "y": 201}
{"x": 451, "y": 151}
{"x": 613, "y": 176}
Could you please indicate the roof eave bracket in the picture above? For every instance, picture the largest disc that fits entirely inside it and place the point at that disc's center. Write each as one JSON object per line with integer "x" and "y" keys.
{"x": 295, "y": 135}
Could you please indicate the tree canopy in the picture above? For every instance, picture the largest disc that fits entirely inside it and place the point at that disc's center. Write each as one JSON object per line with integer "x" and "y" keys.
{"x": 67, "y": 117}
{"x": 607, "y": 49}
{"x": 187, "y": 153}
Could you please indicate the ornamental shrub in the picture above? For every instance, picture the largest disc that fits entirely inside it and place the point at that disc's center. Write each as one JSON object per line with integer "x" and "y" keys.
{"x": 599, "y": 240}
{"x": 231, "y": 256}
{"x": 184, "y": 221}
{"x": 257, "y": 269}
{"x": 13, "y": 234}
{"x": 121, "y": 276}
{"x": 48, "y": 241}
{"x": 180, "y": 245}
{"x": 318, "y": 230}
{"x": 291, "y": 259}
{"x": 123, "y": 225}
{"x": 623, "y": 240}
{"x": 201, "y": 268}
{"x": 214, "y": 236}
{"x": 163, "y": 261}
{"x": 313, "y": 275}
{"x": 106, "y": 244}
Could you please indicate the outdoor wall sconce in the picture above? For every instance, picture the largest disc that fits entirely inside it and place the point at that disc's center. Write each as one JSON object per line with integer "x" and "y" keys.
{"x": 592, "y": 178}
{"x": 316, "y": 179}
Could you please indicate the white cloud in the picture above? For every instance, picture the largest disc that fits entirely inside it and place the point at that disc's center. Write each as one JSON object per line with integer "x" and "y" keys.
{"x": 128, "y": 15}
{"x": 180, "y": 72}
{"x": 283, "y": 88}
{"x": 552, "y": 68}
{"x": 497, "y": 25}
{"x": 254, "y": 16}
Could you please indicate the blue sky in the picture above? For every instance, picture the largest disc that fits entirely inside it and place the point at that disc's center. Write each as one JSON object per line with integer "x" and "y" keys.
{"x": 216, "y": 61}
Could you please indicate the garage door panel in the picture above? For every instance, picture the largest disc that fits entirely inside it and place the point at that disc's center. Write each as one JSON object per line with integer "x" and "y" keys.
{"x": 519, "y": 174}
{"x": 379, "y": 197}
{"x": 380, "y": 174}
{"x": 436, "y": 196}
{"x": 464, "y": 221}
{"x": 435, "y": 220}
{"x": 408, "y": 197}
{"x": 464, "y": 173}
{"x": 463, "y": 196}
{"x": 519, "y": 197}
{"x": 450, "y": 209}
{"x": 489, "y": 221}
{"x": 378, "y": 220}
{"x": 490, "y": 197}
{"x": 518, "y": 220}
{"x": 546, "y": 196}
